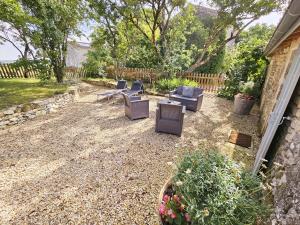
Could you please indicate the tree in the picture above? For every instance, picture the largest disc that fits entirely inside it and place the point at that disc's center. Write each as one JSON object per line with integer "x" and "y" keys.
{"x": 151, "y": 18}
{"x": 56, "y": 21}
{"x": 99, "y": 56}
{"x": 247, "y": 61}
{"x": 15, "y": 29}
{"x": 237, "y": 14}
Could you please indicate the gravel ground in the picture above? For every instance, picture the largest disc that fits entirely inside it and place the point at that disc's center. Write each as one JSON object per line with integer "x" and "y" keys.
{"x": 88, "y": 164}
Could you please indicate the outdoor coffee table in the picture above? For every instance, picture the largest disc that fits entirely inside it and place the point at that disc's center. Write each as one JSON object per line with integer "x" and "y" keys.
{"x": 109, "y": 94}
{"x": 168, "y": 102}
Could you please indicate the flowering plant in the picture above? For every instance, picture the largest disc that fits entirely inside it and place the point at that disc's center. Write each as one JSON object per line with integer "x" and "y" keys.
{"x": 173, "y": 210}
{"x": 218, "y": 191}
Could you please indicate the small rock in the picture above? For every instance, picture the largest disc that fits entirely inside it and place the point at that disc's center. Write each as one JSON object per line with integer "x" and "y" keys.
{"x": 8, "y": 112}
{"x": 132, "y": 176}
{"x": 2, "y": 114}
{"x": 26, "y": 108}
{"x": 14, "y": 119}
{"x": 17, "y": 110}
{"x": 3, "y": 123}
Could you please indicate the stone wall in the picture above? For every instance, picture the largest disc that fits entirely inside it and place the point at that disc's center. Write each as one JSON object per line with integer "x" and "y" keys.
{"x": 20, "y": 113}
{"x": 286, "y": 181}
{"x": 280, "y": 61}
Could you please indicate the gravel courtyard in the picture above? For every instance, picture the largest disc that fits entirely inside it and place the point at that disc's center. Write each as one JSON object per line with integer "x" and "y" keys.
{"x": 88, "y": 164}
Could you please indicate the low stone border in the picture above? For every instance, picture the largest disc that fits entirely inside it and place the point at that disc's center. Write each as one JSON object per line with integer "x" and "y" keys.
{"x": 20, "y": 113}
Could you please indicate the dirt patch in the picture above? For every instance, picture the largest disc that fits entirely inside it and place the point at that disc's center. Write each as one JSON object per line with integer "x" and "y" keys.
{"x": 88, "y": 163}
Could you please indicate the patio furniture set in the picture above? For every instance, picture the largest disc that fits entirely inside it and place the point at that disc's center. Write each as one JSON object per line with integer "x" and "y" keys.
{"x": 169, "y": 113}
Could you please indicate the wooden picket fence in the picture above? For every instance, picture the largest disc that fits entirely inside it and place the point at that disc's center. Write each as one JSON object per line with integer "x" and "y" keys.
{"x": 10, "y": 71}
{"x": 209, "y": 82}
{"x": 75, "y": 73}
{"x": 148, "y": 75}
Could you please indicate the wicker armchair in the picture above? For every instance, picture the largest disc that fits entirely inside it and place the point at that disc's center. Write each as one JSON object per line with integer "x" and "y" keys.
{"x": 169, "y": 119}
{"x": 192, "y": 100}
{"x": 135, "y": 108}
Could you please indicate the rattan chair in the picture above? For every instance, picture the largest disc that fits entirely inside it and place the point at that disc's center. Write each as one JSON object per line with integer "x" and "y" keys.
{"x": 169, "y": 118}
{"x": 135, "y": 108}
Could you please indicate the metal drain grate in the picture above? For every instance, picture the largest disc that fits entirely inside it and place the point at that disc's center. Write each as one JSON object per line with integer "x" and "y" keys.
{"x": 240, "y": 139}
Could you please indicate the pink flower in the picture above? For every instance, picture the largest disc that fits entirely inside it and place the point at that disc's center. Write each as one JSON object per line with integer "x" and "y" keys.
{"x": 187, "y": 217}
{"x": 173, "y": 215}
{"x": 162, "y": 209}
{"x": 170, "y": 212}
{"x": 166, "y": 198}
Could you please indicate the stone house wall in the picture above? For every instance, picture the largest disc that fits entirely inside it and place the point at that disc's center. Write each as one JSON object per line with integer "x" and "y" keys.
{"x": 286, "y": 177}
{"x": 285, "y": 171}
{"x": 280, "y": 61}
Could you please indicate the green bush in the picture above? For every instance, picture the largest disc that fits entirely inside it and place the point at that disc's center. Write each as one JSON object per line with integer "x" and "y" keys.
{"x": 249, "y": 88}
{"x": 165, "y": 84}
{"x": 217, "y": 191}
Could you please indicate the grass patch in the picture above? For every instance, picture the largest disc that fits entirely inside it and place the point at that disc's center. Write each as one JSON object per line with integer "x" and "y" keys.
{"x": 20, "y": 91}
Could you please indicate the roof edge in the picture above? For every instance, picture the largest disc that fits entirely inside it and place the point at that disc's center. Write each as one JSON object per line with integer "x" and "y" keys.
{"x": 287, "y": 25}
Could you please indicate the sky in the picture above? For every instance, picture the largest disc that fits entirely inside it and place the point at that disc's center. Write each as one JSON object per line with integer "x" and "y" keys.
{"x": 9, "y": 53}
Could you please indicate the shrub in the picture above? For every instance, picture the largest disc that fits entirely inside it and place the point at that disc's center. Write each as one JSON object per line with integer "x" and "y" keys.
{"x": 166, "y": 84}
{"x": 217, "y": 191}
{"x": 249, "y": 89}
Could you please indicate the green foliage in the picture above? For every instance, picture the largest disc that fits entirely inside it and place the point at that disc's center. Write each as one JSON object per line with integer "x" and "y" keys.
{"x": 217, "y": 191}
{"x": 215, "y": 63}
{"x": 99, "y": 57}
{"x": 238, "y": 15}
{"x": 247, "y": 62}
{"x": 186, "y": 33}
{"x": 248, "y": 88}
{"x": 168, "y": 84}
{"x": 42, "y": 66}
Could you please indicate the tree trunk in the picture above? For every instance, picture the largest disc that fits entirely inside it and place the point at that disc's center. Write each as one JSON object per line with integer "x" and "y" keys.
{"x": 59, "y": 73}
{"x": 26, "y": 69}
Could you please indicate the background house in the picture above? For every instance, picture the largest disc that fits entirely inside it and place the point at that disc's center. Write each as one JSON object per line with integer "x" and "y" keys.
{"x": 77, "y": 53}
{"x": 280, "y": 117}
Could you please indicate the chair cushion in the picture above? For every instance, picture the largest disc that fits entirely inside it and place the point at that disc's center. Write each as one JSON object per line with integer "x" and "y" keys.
{"x": 181, "y": 97}
{"x": 197, "y": 92}
{"x": 179, "y": 90}
{"x": 188, "y": 91}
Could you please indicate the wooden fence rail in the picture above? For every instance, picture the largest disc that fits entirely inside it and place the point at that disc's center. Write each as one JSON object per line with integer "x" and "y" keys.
{"x": 10, "y": 71}
{"x": 209, "y": 82}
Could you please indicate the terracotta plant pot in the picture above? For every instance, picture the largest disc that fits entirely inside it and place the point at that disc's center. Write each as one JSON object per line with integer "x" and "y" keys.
{"x": 243, "y": 104}
{"x": 161, "y": 195}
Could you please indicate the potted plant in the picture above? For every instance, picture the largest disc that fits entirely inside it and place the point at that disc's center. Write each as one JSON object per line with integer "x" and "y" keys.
{"x": 172, "y": 209}
{"x": 245, "y": 99}
{"x": 211, "y": 189}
